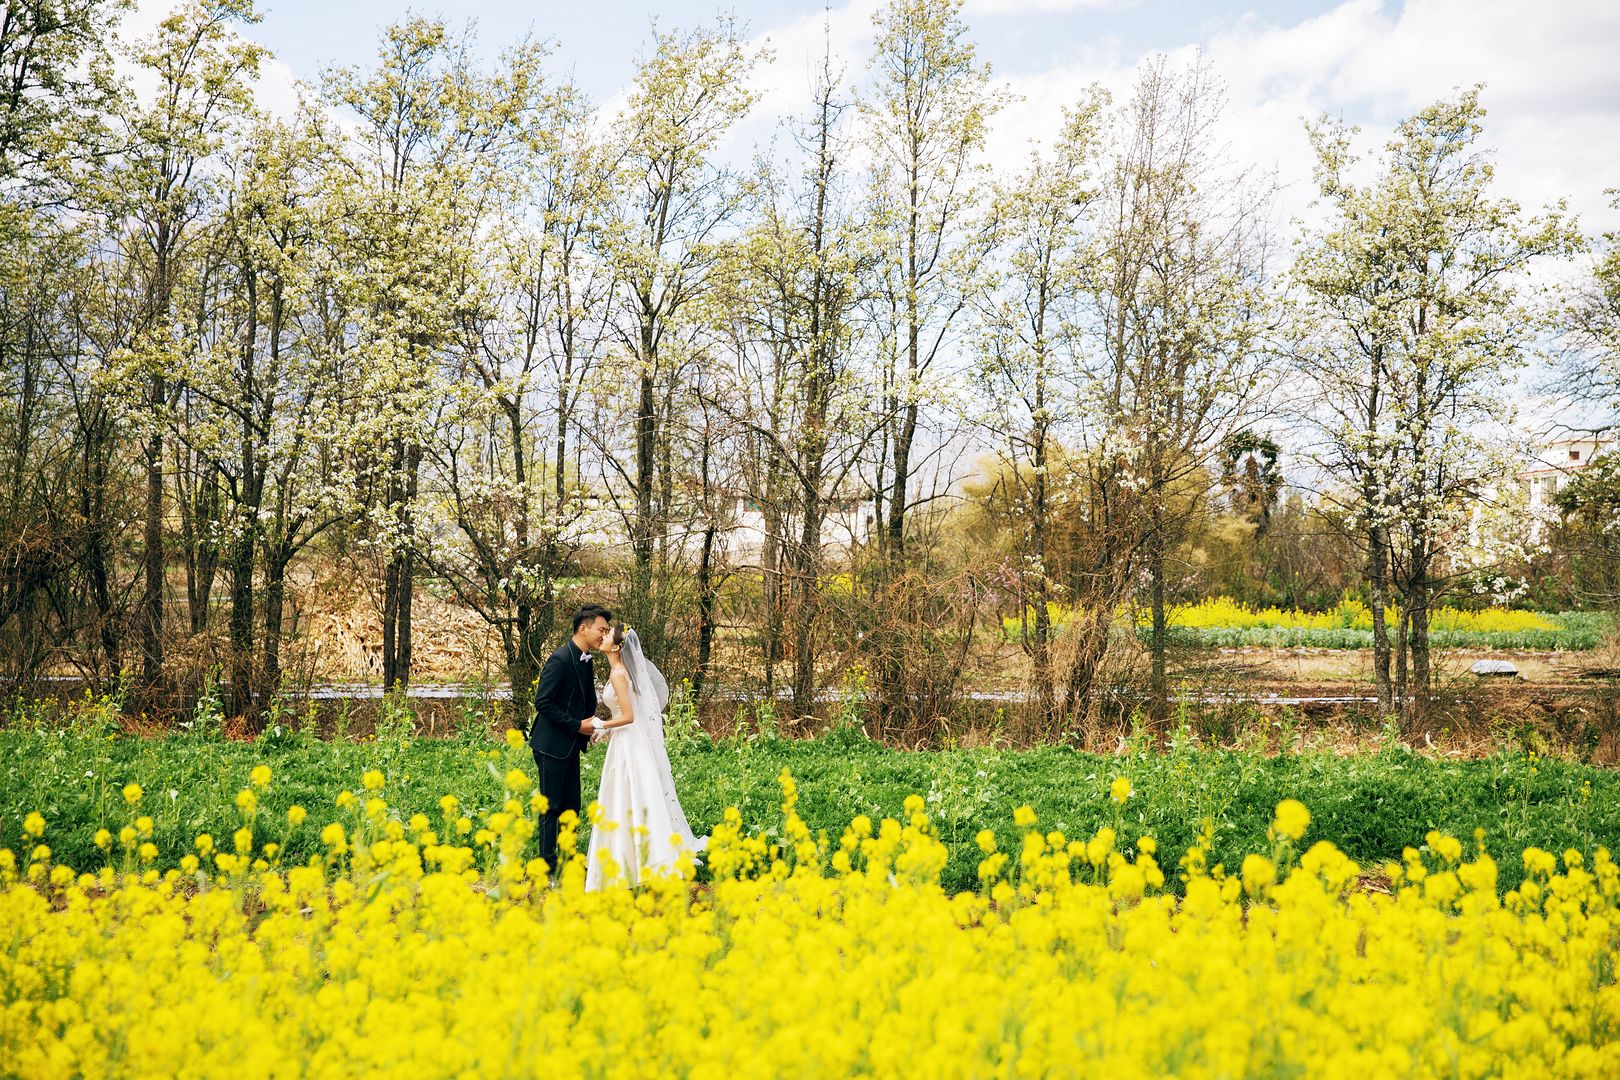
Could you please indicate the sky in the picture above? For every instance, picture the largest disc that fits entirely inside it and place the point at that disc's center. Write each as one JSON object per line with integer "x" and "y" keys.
{"x": 1552, "y": 88}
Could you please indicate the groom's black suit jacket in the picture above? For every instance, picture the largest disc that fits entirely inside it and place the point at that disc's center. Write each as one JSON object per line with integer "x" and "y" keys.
{"x": 565, "y": 695}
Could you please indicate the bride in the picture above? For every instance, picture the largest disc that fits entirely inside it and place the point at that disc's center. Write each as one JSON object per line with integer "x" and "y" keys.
{"x": 640, "y": 827}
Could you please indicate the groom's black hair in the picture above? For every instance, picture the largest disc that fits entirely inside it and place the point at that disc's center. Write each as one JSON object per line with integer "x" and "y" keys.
{"x": 588, "y": 612}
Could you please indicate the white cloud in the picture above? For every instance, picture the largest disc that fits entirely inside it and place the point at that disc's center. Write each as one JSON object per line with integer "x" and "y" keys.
{"x": 1551, "y": 89}
{"x": 797, "y": 49}
{"x": 975, "y": 8}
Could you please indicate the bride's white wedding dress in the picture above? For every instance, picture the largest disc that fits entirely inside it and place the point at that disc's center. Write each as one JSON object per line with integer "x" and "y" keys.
{"x": 641, "y": 825}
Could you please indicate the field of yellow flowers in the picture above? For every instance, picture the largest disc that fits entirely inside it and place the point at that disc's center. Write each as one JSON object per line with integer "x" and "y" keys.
{"x": 438, "y": 947}
{"x": 1351, "y": 614}
{"x": 1220, "y": 621}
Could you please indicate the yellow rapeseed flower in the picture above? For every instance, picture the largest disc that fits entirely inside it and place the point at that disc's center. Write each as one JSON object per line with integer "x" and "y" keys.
{"x": 1461, "y": 981}
{"x": 1259, "y": 873}
{"x": 1292, "y": 819}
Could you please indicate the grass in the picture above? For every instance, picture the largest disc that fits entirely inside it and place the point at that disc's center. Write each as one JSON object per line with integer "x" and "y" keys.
{"x": 1370, "y": 805}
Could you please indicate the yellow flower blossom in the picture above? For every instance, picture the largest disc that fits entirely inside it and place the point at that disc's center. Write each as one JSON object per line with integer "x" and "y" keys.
{"x": 1292, "y": 819}
{"x": 395, "y": 952}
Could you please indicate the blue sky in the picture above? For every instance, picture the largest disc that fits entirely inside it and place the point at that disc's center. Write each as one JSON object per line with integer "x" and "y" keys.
{"x": 598, "y": 40}
{"x": 1552, "y": 86}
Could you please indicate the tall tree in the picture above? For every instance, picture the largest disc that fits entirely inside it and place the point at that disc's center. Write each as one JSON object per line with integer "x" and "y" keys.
{"x": 1414, "y": 311}
{"x": 515, "y": 393}
{"x": 662, "y": 230}
{"x": 1177, "y": 287}
{"x": 930, "y": 101}
{"x": 429, "y": 164}
{"x": 201, "y": 71}
{"x": 56, "y": 89}
{"x": 1027, "y": 368}
{"x": 792, "y": 303}
{"x": 263, "y": 400}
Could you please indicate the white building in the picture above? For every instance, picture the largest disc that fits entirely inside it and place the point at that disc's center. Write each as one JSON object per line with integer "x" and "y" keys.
{"x": 847, "y": 526}
{"x": 1557, "y": 462}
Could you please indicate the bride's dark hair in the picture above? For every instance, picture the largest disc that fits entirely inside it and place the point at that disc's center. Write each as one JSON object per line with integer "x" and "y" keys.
{"x": 616, "y": 635}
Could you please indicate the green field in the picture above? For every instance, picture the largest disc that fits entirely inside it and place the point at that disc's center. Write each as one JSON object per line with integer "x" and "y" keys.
{"x": 1370, "y": 805}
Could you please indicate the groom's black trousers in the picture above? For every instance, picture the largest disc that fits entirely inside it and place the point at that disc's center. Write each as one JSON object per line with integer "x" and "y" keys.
{"x": 559, "y": 783}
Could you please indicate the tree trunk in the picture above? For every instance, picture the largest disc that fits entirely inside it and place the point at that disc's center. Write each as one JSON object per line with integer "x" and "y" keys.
{"x": 1377, "y": 591}
{"x": 390, "y": 619}
{"x": 275, "y": 586}
{"x": 1418, "y": 599}
{"x": 896, "y": 540}
{"x": 646, "y": 449}
{"x": 1040, "y": 648}
{"x": 1091, "y": 648}
{"x": 806, "y": 601}
{"x": 98, "y": 550}
{"x": 1040, "y": 657}
{"x": 407, "y": 574}
{"x": 1402, "y": 689}
{"x": 399, "y": 575}
{"x": 152, "y": 594}
{"x": 1158, "y": 682}
{"x": 706, "y": 604}
{"x": 243, "y": 688}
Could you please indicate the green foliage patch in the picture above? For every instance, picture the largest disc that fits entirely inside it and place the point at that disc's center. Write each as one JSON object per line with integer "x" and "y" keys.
{"x": 1370, "y": 805}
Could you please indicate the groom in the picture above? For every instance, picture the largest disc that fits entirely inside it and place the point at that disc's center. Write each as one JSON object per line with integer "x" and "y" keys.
{"x": 564, "y": 720}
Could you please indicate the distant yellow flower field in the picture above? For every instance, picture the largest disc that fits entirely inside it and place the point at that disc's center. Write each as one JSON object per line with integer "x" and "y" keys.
{"x": 1222, "y": 613}
{"x": 1350, "y": 615}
